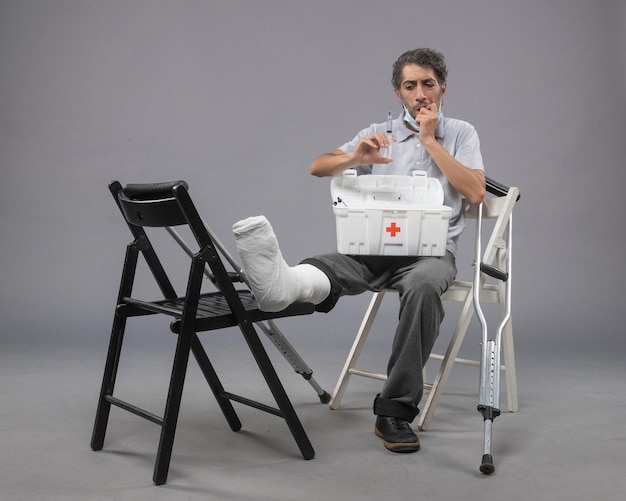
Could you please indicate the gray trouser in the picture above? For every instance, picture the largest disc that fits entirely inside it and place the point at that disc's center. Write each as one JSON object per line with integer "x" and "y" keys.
{"x": 420, "y": 282}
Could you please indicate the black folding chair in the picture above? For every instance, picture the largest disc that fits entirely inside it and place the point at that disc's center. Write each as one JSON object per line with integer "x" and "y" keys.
{"x": 168, "y": 205}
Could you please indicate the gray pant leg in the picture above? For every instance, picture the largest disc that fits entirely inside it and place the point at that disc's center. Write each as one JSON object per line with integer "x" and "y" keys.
{"x": 420, "y": 283}
{"x": 421, "y": 312}
{"x": 352, "y": 275}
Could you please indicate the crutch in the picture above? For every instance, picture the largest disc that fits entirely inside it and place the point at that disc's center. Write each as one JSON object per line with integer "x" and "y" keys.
{"x": 489, "y": 393}
{"x": 270, "y": 329}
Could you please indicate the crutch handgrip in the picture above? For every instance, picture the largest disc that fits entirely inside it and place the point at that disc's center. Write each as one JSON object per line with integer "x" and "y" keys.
{"x": 494, "y": 272}
{"x": 235, "y": 277}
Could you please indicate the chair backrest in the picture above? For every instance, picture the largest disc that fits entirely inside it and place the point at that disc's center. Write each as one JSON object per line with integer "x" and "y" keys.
{"x": 164, "y": 205}
{"x": 153, "y": 205}
{"x": 498, "y": 208}
{"x": 492, "y": 206}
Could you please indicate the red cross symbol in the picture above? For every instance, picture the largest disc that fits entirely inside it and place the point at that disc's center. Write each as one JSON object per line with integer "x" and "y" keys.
{"x": 393, "y": 229}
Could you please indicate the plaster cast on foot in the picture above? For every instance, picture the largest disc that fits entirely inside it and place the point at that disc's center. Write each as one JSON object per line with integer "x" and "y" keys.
{"x": 273, "y": 282}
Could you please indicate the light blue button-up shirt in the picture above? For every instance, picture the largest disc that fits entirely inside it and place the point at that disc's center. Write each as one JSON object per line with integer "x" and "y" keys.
{"x": 459, "y": 138}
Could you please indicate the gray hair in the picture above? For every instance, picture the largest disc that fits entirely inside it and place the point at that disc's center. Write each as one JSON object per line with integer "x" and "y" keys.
{"x": 426, "y": 57}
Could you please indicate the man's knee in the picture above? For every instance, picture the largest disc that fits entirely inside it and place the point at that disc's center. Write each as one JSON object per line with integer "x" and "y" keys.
{"x": 429, "y": 281}
{"x": 422, "y": 291}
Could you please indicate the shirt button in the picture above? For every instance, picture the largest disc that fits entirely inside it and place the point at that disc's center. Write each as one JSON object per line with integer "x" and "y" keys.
{"x": 418, "y": 145}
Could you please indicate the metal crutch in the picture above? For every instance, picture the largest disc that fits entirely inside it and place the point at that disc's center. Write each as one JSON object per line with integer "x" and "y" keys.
{"x": 271, "y": 330}
{"x": 489, "y": 393}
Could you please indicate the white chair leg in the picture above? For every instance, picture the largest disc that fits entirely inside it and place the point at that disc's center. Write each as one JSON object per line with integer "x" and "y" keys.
{"x": 507, "y": 344}
{"x": 509, "y": 364}
{"x": 446, "y": 365}
{"x": 357, "y": 348}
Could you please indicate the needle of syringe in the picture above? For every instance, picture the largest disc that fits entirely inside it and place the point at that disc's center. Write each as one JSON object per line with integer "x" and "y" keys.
{"x": 389, "y": 132}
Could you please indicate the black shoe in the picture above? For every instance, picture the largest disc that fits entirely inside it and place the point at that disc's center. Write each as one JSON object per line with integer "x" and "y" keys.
{"x": 396, "y": 433}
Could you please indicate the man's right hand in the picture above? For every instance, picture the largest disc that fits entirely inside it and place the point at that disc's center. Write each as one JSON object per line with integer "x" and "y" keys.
{"x": 367, "y": 150}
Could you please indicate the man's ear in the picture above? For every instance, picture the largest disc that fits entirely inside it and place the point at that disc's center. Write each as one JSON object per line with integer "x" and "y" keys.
{"x": 398, "y": 97}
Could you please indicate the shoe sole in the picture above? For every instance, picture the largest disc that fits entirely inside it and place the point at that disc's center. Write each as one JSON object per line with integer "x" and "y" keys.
{"x": 398, "y": 446}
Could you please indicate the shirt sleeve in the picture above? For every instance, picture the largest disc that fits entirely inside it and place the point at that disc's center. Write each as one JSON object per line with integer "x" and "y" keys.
{"x": 468, "y": 148}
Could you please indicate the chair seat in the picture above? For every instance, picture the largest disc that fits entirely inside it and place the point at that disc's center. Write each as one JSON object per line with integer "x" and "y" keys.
{"x": 213, "y": 313}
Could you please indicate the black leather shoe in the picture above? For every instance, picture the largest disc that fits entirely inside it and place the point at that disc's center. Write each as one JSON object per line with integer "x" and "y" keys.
{"x": 396, "y": 433}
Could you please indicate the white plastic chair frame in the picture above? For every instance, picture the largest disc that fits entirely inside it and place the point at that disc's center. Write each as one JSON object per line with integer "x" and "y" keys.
{"x": 496, "y": 253}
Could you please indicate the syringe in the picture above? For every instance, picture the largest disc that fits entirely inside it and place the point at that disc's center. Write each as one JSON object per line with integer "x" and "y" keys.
{"x": 389, "y": 132}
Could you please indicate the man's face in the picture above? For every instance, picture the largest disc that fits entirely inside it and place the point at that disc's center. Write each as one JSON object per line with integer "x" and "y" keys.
{"x": 419, "y": 87}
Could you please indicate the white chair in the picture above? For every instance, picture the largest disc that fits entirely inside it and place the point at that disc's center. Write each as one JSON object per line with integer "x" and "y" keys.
{"x": 496, "y": 254}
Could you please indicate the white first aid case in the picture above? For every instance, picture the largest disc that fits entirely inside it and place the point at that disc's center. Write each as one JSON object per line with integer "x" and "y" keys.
{"x": 390, "y": 215}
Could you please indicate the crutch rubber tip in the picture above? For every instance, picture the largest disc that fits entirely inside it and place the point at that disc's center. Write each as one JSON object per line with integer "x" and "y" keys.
{"x": 325, "y": 397}
{"x": 487, "y": 465}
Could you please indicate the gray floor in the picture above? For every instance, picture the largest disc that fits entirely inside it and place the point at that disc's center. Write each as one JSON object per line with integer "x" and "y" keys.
{"x": 566, "y": 442}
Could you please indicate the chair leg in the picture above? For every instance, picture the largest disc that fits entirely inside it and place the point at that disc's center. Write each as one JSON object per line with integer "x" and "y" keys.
{"x": 509, "y": 363}
{"x": 276, "y": 387}
{"x": 172, "y": 407}
{"x": 446, "y": 365}
{"x": 508, "y": 350}
{"x": 115, "y": 348}
{"x": 214, "y": 383}
{"x": 179, "y": 370}
{"x": 357, "y": 348}
{"x": 108, "y": 383}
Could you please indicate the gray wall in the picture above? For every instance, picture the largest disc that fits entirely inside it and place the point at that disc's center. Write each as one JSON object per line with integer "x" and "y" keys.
{"x": 237, "y": 97}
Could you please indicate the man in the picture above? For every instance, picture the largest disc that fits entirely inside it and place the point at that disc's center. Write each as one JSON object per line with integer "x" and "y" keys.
{"x": 423, "y": 139}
